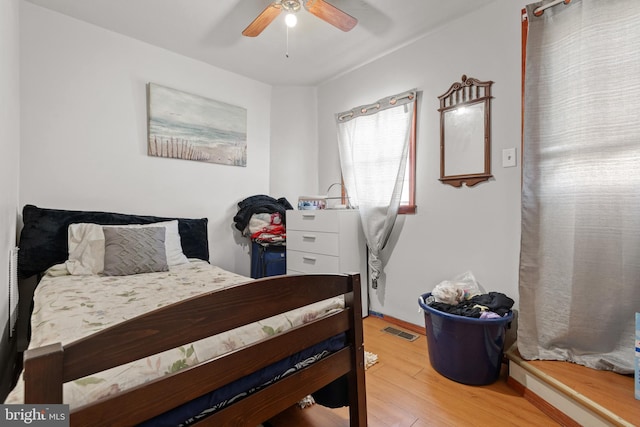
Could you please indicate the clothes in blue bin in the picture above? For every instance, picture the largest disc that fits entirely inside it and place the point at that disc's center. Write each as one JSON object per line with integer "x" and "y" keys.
{"x": 494, "y": 302}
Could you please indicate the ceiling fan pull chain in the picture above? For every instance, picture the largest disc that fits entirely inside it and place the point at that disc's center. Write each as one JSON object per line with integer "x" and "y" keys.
{"x": 287, "y": 52}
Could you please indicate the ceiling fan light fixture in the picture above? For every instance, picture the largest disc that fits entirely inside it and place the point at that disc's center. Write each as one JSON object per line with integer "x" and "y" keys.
{"x": 320, "y": 8}
{"x": 290, "y": 5}
{"x": 291, "y": 20}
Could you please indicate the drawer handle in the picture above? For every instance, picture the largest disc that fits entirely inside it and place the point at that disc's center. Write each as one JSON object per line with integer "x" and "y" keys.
{"x": 308, "y": 237}
{"x": 309, "y": 259}
{"x": 308, "y": 216}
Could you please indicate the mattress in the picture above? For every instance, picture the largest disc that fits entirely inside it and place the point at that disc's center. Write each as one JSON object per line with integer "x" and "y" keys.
{"x": 67, "y": 308}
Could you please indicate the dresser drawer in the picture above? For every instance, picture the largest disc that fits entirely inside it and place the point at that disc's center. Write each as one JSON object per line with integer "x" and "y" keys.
{"x": 318, "y": 242}
{"x": 312, "y": 263}
{"x": 321, "y": 220}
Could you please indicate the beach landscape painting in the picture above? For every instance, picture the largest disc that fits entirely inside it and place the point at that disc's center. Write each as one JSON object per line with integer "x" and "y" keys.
{"x": 192, "y": 127}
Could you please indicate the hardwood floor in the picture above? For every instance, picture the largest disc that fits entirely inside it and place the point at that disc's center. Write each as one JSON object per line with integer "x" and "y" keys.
{"x": 404, "y": 390}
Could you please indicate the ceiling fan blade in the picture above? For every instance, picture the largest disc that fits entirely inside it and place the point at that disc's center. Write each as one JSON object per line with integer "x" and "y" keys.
{"x": 331, "y": 14}
{"x": 263, "y": 20}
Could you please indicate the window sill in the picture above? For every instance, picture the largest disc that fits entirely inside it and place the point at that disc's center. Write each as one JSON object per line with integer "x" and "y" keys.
{"x": 407, "y": 210}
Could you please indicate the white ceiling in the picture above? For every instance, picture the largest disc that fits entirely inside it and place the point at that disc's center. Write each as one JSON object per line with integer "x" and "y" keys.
{"x": 210, "y": 31}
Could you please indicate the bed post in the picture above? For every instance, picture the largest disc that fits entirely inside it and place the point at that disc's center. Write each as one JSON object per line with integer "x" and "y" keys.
{"x": 43, "y": 374}
{"x": 357, "y": 392}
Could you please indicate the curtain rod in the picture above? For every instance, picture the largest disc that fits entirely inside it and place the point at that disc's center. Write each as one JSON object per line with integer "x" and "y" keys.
{"x": 380, "y": 104}
{"x": 540, "y": 10}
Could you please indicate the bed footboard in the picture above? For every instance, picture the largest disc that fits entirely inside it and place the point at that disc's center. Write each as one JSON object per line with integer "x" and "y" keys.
{"x": 48, "y": 368}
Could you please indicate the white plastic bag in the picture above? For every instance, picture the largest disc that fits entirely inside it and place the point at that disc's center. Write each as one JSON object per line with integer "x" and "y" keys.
{"x": 459, "y": 289}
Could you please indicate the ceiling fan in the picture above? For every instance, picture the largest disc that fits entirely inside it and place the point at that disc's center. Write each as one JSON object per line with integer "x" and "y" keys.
{"x": 320, "y": 8}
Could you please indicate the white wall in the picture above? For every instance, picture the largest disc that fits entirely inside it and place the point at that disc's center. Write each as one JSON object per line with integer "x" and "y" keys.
{"x": 9, "y": 163}
{"x": 9, "y": 142}
{"x": 84, "y": 131}
{"x": 294, "y": 142}
{"x": 455, "y": 229}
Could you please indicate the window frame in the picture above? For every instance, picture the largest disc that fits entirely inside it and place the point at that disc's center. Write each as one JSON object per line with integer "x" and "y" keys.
{"x": 410, "y": 207}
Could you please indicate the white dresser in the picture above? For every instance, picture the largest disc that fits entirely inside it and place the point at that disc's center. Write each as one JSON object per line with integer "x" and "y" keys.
{"x": 327, "y": 241}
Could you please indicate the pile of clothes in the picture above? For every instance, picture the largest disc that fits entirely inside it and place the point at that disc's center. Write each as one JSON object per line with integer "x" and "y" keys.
{"x": 262, "y": 218}
{"x": 464, "y": 297}
{"x": 492, "y": 305}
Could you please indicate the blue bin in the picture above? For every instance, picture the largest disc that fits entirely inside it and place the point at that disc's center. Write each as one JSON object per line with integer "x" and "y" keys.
{"x": 464, "y": 349}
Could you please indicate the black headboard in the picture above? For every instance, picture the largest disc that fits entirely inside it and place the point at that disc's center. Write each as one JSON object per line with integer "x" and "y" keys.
{"x": 44, "y": 238}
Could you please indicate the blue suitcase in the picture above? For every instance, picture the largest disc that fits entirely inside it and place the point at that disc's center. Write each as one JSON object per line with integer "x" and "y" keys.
{"x": 268, "y": 260}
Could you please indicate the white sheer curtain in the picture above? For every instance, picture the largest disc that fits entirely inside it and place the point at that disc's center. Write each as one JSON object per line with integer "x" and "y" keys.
{"x": 374, "y": 144}
{"x": 580, "y": 255}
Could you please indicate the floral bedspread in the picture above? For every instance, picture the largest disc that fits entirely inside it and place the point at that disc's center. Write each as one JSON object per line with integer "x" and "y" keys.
{"x": 67, "y": 308}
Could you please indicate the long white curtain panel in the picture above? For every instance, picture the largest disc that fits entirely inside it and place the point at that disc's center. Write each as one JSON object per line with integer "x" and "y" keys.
{"x": 580, "y": 256}
{"x": 374, "y": 145}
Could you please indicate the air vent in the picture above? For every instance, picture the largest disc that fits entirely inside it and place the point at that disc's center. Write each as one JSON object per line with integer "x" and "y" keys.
{"x": 402, "y": 334}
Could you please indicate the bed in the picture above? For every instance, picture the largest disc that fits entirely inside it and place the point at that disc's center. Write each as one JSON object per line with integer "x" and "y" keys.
{"x": 184, "y": 343}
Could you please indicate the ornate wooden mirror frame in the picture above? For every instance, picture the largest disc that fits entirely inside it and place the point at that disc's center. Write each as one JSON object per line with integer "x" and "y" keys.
{"x": 465, "y": 133}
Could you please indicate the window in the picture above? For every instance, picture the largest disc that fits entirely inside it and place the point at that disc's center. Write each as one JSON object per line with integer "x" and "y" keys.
{"x": 377, "y": 144}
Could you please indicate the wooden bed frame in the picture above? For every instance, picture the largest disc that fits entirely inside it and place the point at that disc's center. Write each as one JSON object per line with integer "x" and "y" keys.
{"x": 47, "y": 368}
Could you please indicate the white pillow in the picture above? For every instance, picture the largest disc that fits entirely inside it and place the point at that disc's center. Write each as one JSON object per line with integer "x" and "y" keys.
{"x": 86, "y": 249}
{"x": 86, "y": 246}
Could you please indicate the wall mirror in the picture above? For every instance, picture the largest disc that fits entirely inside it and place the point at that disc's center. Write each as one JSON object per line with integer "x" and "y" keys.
{"x": 465, "y": 133}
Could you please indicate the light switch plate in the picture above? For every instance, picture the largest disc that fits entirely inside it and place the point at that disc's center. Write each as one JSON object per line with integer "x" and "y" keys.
{"x": 508, "y": 157}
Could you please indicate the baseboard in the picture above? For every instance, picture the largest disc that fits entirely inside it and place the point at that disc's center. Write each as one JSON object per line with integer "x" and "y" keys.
{"x": 544, "y": 406}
